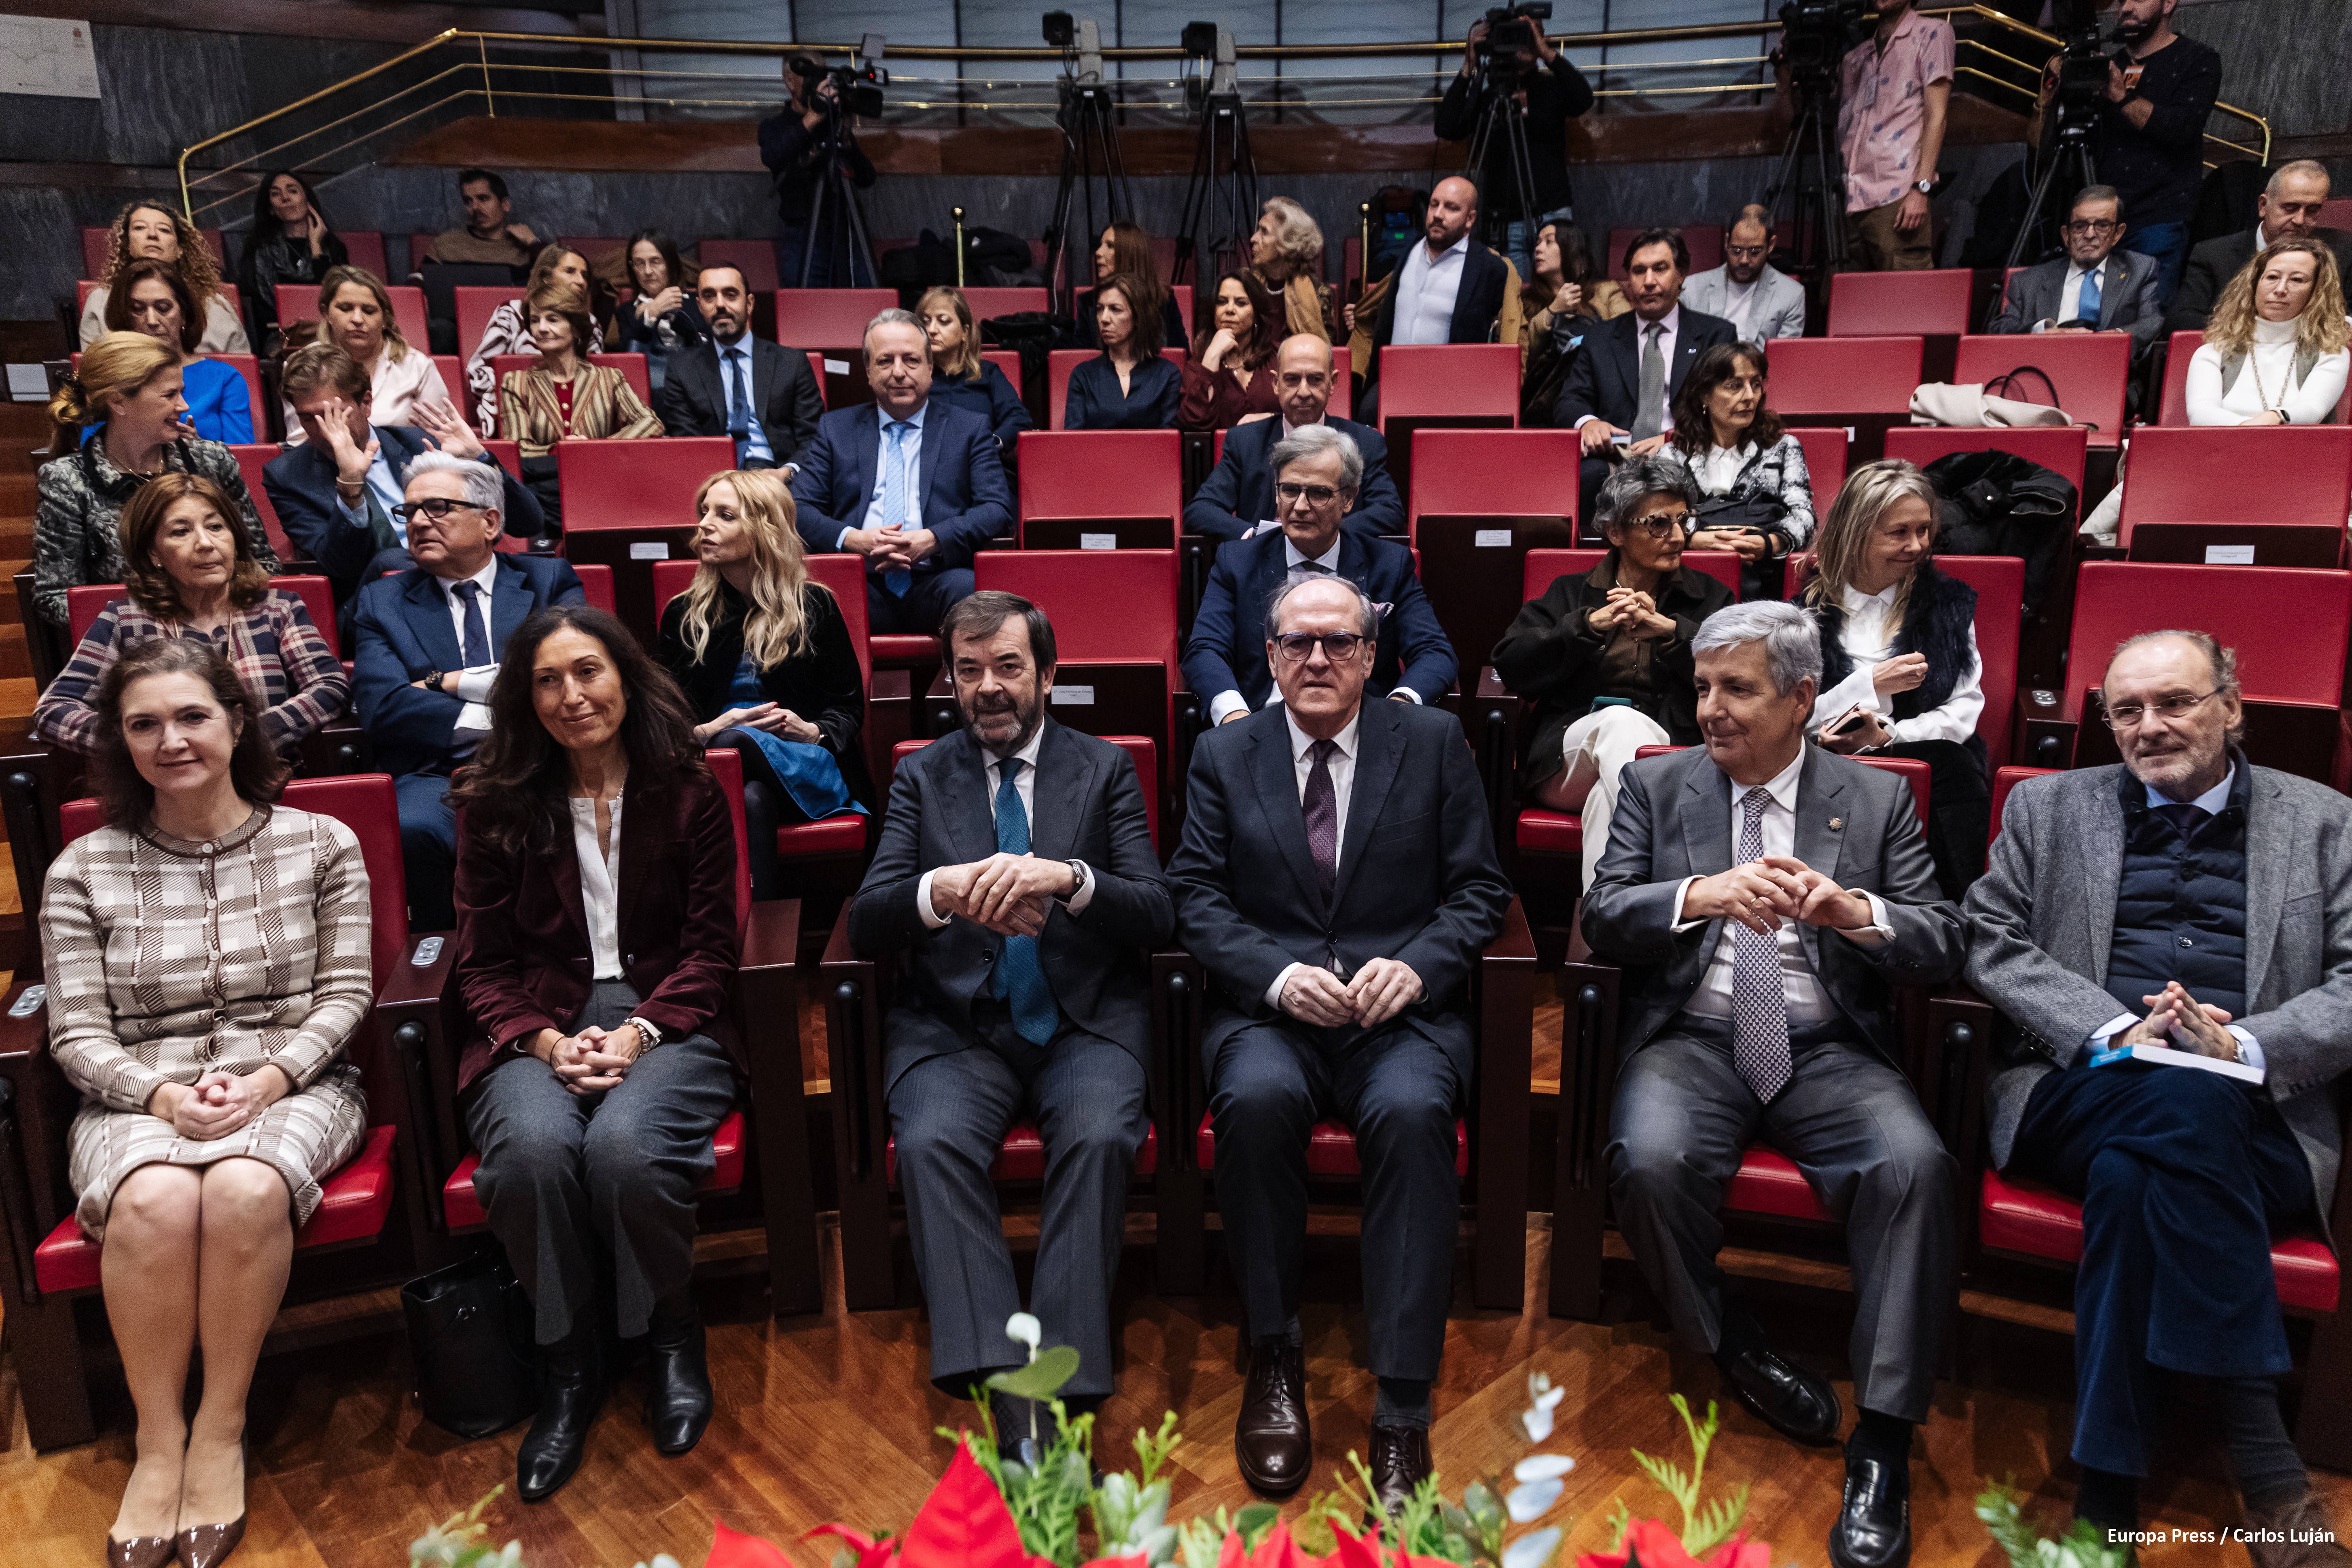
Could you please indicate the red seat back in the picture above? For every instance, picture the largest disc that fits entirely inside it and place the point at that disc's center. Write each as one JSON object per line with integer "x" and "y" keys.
{"x": 2179, "y": 348}
{"x": 631, "y": 366}
{"x": 250, "y": 462}
{"x": 84, "y": 602}
{"x": 1825, "y": 457}
{"x": 476, "y": 304}
{"x": 987, "y": 302}
{"x": 365, "y": 248}
{"x": 727, "y": 767}
{"x": 1546, "y": 567}
{"x": 1844, "y": 375}
{"x": 2289, "y": 626}
{"x": 1456, "y": 379}
{"x": 825, "y": 318}
{"x": 2184, "y": 474}
{"x": 1894, "y": 304}
{"x": 595, "y": 585}
{"x": 636, "y": 484}
{"x": 1060, "y": 363}
{"x": 1009, "y": 363}
{"x": 1140, "y": 750}
{"x": 2058, "y": 447}
{"x": 755, "y": 258}
{"x": 2089, "y": 370}
{"x": 2003, "y": 781}
{"x": 1492, "y": 473}
{"x": 1102, "y": 473}
{"x": 1104, "y": 604}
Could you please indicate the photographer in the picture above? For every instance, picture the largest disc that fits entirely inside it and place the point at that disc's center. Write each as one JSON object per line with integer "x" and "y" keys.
{"x": 794, "y": 144}
{"x": 1895, "y": 86}
{"x": 1550, "y": 90}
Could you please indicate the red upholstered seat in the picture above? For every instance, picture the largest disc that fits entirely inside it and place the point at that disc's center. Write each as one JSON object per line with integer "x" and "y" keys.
{"x": 353, "y": 1204}
{"x": 1330, "y": 1149}
{"x": 464, "y": 1210}
{"x": 2019, "y": 1216}
{"x": 1023, "y": 1157}
{"x": 834, "y": 836}
{"x": 1768, "y": 1183}
{"x": 1876, "y": 304}
{"x": 1551, "y": 833}
{"x": 1844, "y": 375}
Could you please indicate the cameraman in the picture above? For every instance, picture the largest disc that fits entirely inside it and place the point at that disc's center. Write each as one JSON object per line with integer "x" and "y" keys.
{"x": 1549, "y": 98}
{"x": 794, "y": 143}
{"x": 1896, "y": 86}
{"x": 2149, "y": 139}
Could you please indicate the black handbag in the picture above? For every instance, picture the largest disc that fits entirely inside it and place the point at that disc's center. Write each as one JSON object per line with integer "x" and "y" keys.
{"x": 470, "y": 1341}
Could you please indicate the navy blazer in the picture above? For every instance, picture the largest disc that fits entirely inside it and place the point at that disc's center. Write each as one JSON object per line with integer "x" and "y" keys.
{"x": 1238, "y": 494}
{"x": 1417, "y": 878}
{"x": 692, "y": 400}
{"x": 1087, "y": 807}
{"x": 405, "y": 633}
{"x": 965, "y": 501}
{"x": 1477, "y": 304}
{"x": 1226, "y": 650}
{"x": 301, "y": 484}
{"x": 1606, "y": 379}
{"x": 1154, "y": 388}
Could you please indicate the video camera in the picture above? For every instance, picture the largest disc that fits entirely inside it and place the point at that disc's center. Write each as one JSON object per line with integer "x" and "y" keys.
{"x": 1816, "y": 34}
{"x": 2083, "y": 67}
{"x": 856, "y": 91}
{"x": 1507, "y": 52}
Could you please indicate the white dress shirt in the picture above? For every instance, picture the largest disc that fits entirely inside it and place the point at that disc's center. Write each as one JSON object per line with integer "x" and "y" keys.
{"x": 600, "y": 879}
{"x": 910, "y": 455}
{"x": 472, "y": 684}
{"x": 1673, "y": 324}
{"x": 1025, "y": 785}
{"x": 1341, "y": 766}
{"x": 1868, "y": 637}
{"x": 1808, "y": 1002}
{"x": 1426, "y": 292}
{"x": 2070, "y": 297}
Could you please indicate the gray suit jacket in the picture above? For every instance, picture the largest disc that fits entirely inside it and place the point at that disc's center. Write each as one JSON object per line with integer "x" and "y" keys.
{"x": 2042, "y": 919}
{"x": 1855, "y": 825}
{"x": 2127, "y": 297}
{"x": 1781, "y": 313}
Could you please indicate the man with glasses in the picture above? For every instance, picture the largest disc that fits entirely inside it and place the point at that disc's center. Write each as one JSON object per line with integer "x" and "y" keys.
{"x": 1236, "y": 499}
{"x": 2094, "y": 287}
{"x": 2192, "y": 902}
{"x": 427, "y": 651}
{"x": 1758, "y": 300}
{"x": 1337, "y": 879}
{"x": 1320, "y": 471}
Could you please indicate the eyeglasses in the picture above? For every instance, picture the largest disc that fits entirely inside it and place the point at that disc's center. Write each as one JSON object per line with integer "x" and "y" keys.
{"x": 1660, "y": 526}
{"x": 2092, "y": 226}
{"x": 2127, "y": 715}
{"x": 1321, "y": 495}
{"x": 1337, "y": 646}
{"x": 434, "y": 507}
{"x": 1746, "y": 252}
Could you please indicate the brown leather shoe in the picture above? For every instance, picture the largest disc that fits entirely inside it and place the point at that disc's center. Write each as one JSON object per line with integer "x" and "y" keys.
{"x": 1271, "y": 1440}
{"x": 2292, "y": 1533}
{"x": 1400, "y": 1463}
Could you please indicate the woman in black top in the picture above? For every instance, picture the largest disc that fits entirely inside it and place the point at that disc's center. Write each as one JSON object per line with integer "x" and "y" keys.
{"x": 1127, "y": 248}
{"x": 1129, "y": 386}
{"x": 960, "y": 376}
{"x": 289, "y": 243}
{"x": 661, "y": 315}
{"x": 766, "y": 662}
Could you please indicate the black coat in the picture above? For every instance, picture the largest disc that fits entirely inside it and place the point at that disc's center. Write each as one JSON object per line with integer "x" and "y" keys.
{"x": 822, "y": 684}
{"x": 2212, "y": 264}
{"x": 784, "y": 395}
{"x": 1937, "y": 620}
{"x": 269, "y": 262}
{"x": 1477, "y": 305}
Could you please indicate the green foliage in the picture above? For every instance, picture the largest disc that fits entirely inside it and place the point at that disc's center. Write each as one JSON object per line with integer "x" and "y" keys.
{"x": 1040, "y": 1379}
{"x": 1046, "y": 1499}
{"x": 2079, "y": 1547}
{"x": 1704, "y": 1527}
{"x": 1130, "y": 1511}
{"x": 462, "y": 1541}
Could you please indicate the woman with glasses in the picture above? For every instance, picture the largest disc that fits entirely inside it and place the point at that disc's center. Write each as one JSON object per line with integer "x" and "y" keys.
{"x": 1758, "y": 497}
{"x": 1901, "y": 676}
{"x": 1605, "y": 655}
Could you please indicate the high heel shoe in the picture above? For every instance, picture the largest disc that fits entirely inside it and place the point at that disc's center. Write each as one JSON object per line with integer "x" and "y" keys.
{"x": 208, "y": 1545}
{"x": 140, "y": 1551}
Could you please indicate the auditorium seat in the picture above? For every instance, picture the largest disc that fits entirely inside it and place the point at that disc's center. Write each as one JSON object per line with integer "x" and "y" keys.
{"x": 2089, "y": 371}
{"x": 2058, "y": 447}
{"x": 1898, "y": 304}
{"x": 364, "y": 246}
{"x": 987, "y": 302}
{"x": 1450, "y": 383}
{"x": 2197, "y": 483}
{"x": 827, "y": 319}
{"x": 631, "y": 366}
{"x": 1007, "y": 361}
{"x": 754, "y": 258}
{"x": 1130, "y": 478}
{"x": 251, "y": 460}
{"x": 628, "y": 504}
{"x": 1825, "y": 461}
{"x": 1843, "y": 378}
{"x": 1060, "y": 363}
{"x": 1477, "y": 502}
{"x": 476, "y": 304}
{"x": 453, "y": 379}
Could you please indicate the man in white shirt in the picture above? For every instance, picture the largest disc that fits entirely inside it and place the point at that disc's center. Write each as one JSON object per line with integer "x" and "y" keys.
{"x": 2094, "y": 287}
{"x": 1766, "y": 1011}
{"x": 1760, "y": 300}
{"x": 1449, "y": 289}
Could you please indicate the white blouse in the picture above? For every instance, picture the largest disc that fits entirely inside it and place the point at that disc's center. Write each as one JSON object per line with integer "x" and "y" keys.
{"x": 600, "y": 879}
{"x": 1868, "y": 637}
{"x": 2270, "y": 369}
{"x": 1720, "y": 470}
{"x": 399, "y": 385}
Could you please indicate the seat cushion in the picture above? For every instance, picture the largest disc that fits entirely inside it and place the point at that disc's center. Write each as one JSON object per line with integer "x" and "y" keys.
{"x": 835, "y": 835}
{"x": 1768, "y": 1183}
{"x": 1330, "y": 1149}
{"x": 353, "y": 1205}
{"x": 2021, "y": 1217}
{"x": 1023, "y": 1157}
{"x": 464, "y": 1210}
{"x": 1551, "y": 833}
{"x": 893, "y": 651}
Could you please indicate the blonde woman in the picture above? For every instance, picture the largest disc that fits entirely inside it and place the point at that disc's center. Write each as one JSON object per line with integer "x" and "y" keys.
{"x": 765, "y": 659}
{"x": 355, "y": 315}
{"x": 1284, "y": 250}
{"x": 150, "y": 231}
{"x": 509, "y": 331}
{"x": 1901, "y": 676}
{"x": 960, "y": 376}
{"x": 2275, "y": 351}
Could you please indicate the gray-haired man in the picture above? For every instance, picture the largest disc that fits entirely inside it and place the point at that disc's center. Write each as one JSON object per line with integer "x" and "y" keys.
{"x": 1765, "y": 897}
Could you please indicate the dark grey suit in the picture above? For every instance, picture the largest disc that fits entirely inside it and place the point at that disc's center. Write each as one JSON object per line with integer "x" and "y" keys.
{"x": 2214, "y": 262}
{"x": 1416, "y": 881}
{"x": 958, "y": 1075}
{"x": 1848, "y": 1117}
{"x": 2129, "y": 299}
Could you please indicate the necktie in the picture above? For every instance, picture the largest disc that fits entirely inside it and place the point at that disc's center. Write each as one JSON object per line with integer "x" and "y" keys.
{"x": 2087, "y": 303}
{"x": 892, "y": 489}
{"x": 1314, "y": 566}
{"x": 738, "y": 403}
{"x": 477, "y": 639}
{"x": 1760, "y": 1009}
{"x": 1321, "y": 804}
{"x": 1650, "y": 416}
{"x": 1020, "y": 978}
{"x": 2184, "y": 815}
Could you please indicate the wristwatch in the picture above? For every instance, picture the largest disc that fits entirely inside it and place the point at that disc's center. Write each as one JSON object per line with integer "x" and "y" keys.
{"x": 1925, "y": 187}
{"x": 1077, "y": 879}
{"x": 432, "y": 680}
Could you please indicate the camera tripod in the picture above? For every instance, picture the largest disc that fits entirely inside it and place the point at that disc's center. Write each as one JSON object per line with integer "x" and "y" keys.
{"x": 1089, "y": 134}
{"x": 1808, "y": 175}
{"x": 831, "y": 180}
{"x": 2070, "y": 150}
{"x": 1227, "y": 202}
{"x": 1500, "y": 113}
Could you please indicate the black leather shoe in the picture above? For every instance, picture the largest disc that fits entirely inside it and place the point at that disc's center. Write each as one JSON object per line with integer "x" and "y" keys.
{"x": 1014, "y": 1443}
{"x": 1873, "y": 1527}
{"x": 677, "y": 1407}
{"x": 1400, "y": 1463}
{"x": 568, "y": 1401}
{"x": 1271, "y": 1439}
{"x": 1785, "y": 1397}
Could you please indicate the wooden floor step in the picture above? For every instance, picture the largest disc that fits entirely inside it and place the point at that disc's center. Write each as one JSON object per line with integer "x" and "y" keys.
{"x": 15, "y": 666}
{"x": 19, "y": 493}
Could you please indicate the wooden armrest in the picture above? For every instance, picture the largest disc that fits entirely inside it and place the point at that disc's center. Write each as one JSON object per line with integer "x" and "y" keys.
{"x": 1506, "y": 1007}
{"x": 2044, "y": 739}
{"x": 855, "y": 1005}
{"x": 25, "y": 1039}
{"x": 414, "y": 1037}
{"x": 772, "y": 935}
{"x": 335, "y": 750}
{"x": 41, "y": 1104}
{"x": 1490, "y": 685}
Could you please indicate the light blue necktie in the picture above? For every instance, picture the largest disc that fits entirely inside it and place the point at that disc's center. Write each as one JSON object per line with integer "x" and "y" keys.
{"x": 2087, "y": 303}
{"x": 1020, "y": 978}
{"x": 894, "y": 510}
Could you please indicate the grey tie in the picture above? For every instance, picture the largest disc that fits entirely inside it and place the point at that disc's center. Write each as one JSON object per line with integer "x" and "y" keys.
{"x": 1650, "y": 414}
{"x": 1760, "y": 1009}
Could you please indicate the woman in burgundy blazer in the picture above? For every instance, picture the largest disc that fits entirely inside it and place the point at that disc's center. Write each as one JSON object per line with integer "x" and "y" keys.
{"x": 596, "y": 939}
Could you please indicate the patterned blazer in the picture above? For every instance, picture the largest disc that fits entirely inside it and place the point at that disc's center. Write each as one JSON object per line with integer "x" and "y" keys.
{"x": 507, "y": 333}
{"x": 77, "y": 526}
{"x": 604, "y": 406}
{"x": 1777, "y": 474}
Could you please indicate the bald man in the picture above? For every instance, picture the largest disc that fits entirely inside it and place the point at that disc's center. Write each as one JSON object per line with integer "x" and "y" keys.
{"x": 1237, "y": 501}
{"x": 1450, "y": 289}
{"x": 2288, "y": 209}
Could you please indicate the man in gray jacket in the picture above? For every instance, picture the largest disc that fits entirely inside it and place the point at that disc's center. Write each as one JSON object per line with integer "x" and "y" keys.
{"x": 2189, "y": 902}
{"x": 1758, "y": 298}
{"x": 2094, "y": 287}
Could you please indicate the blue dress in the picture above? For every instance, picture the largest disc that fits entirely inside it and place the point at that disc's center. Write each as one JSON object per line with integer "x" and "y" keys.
{"x": 808, "y": 772}
{"x": 219, "y": 403}
{"x": 1154, "y": 387}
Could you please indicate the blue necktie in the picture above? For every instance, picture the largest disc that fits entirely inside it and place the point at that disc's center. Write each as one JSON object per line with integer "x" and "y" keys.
{"x": 738, "y": 403}
{"x": 2087, "y": 303}
{"x": 893, "y": 490}
{"x": 477, "y": 639}
{"x": 1020, "y": 979}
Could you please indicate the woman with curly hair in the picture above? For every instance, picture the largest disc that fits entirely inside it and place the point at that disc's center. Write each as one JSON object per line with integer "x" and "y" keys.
{"x": 1284, "y": 250}
{"x": 1229, "y": 374}
{"x": 150, "y": 231}
{"x": 2275, "y": 351}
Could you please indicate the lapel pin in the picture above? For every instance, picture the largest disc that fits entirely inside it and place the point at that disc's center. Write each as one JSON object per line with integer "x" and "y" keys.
{"x": 1837, "y": 824}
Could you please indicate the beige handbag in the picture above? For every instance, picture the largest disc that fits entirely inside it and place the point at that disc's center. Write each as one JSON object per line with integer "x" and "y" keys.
{"x": 1974, "y": 404}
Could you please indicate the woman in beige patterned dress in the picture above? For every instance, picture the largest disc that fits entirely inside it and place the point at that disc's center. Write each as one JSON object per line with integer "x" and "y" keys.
{"x": 207, "y": 963}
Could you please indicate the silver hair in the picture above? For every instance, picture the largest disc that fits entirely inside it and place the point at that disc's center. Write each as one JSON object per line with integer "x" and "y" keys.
{"x": 485, "y": 487}
{"x": 1635, "y": 481}
{"x": 2223, "y": 661}
{"x": 1368, "y": 609}
{"x": 1792, "y": 643}
{"x": 1313, "y": 441}
{"x": 1296, "y": 236}
{"x": 2300, "y": 168}
{"x": 895, "y": 316}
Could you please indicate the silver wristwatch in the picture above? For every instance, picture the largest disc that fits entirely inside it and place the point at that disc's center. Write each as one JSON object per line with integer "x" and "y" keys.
{"x": 646, "y": 1031}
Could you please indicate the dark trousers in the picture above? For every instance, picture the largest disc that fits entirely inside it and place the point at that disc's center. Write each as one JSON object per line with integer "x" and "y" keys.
{"x": 1682, "y": 1117}
{"x": 428, "y": 849}
{"x": 949, "y": 1115}
{"x": 1959, "y": 811}
{"x": 2182, "y": 1175}
{"x": 919, "y": 611}
{"x": 1269, "y": 1083}
{"x": 584, "y": 1190}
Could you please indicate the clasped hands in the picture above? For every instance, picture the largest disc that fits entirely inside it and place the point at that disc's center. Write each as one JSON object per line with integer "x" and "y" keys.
{"x": 1631, "y": 610}
{"x": 2179, "y": 1020}
{"x": 1009, "y": 894}
{"x": 891, "y": 545}
{"x": 1762, "y": 893}
{"x": 219, "y": 1102}
{"x": 1380, "y": 990}
{"x": 592, "y": 1060}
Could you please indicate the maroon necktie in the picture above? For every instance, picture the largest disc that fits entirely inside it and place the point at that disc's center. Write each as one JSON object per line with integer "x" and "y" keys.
{"x": 1321, "y": 803}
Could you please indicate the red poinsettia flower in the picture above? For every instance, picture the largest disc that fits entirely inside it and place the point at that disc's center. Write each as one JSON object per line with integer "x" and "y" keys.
{"x": 1650, "y": 1544}
{"x": 730, "y": 1549}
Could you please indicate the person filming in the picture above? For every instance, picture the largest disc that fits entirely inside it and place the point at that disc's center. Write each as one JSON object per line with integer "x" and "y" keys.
{"x": 1550, "y": 92}
{"x": 795, "y": 143}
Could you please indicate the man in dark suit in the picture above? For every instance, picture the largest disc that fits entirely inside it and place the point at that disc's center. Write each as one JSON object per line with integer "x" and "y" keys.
{"x": 913, "y": 486}
{"x": 763, "y": 393}
{"x": 1237, "y": 498}
{"x": 427, "y": 651}
{"x": 1016, "y": 873}
{"x": 1448, "y": 289}
{"x": 1224, "y": 657}
{"x": 2288, "y": 209}
{"x": 337, "y": 493}
{"x": 2113, "y": 290}
{"x": 1765, "y": 897}
{"x": 1624, "y": 381}
{"x": 1338, "y": 880}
